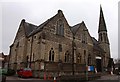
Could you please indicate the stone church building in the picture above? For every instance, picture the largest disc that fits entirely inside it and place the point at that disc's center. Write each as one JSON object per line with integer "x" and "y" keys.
{"x": 56, "y": 47}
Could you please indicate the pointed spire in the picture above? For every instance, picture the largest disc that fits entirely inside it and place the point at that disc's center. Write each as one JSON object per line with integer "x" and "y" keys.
{"x": 102, "y": 24}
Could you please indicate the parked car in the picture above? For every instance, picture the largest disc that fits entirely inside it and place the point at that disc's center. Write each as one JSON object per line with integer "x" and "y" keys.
{"x": 26, "y": 72}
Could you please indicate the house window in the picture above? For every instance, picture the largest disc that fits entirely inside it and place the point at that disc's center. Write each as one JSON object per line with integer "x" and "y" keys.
{"x": 51, "y": 55}
{"x": 67, "y": 57}
{"x": 60, "y": 28}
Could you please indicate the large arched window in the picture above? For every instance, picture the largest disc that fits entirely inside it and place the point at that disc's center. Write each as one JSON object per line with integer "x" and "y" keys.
{"x": 51, "y": 55}
{"x": 67, "y": 57}
{"x": 60, "y": 28}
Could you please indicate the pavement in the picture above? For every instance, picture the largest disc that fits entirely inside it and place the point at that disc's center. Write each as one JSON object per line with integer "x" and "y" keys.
{"x": 108, "y": 78}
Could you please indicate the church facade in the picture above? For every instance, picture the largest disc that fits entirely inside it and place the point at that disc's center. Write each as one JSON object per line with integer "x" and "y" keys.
{"x": 56, "y": 47}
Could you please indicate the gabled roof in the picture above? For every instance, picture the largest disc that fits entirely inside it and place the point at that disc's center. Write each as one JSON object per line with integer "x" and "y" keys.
{"x": 38, "y": 29}
{"x": 96, "y": 46}
{"x": 75, "y": 28}
{"x": 29, "y": 28}
{"x": 41, "y": 26}
{"x": 34, "y": 29}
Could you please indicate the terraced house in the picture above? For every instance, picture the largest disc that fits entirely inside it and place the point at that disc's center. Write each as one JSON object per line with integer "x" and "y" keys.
{"x": 54, "y": 47}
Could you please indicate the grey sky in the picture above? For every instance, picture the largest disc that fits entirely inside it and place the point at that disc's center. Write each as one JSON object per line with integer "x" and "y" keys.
{"x": 75, "y": 12}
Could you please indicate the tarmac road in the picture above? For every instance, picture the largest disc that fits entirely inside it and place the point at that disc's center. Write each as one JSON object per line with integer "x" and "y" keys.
{"x": 105, "y": 78}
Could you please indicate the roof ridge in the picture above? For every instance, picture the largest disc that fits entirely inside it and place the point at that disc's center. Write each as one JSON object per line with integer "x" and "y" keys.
{"x": 40, "y": 27}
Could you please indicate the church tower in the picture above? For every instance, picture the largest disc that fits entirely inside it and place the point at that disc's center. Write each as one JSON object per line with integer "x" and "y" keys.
{"x": 103, "y": 38}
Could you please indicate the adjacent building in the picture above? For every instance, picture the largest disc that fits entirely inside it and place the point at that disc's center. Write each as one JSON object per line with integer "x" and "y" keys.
{"x": 4, "y": 59}
{"x": 54, "y": 47}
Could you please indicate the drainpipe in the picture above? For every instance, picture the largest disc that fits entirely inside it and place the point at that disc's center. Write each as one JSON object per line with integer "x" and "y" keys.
{"x": 31, "y": 52}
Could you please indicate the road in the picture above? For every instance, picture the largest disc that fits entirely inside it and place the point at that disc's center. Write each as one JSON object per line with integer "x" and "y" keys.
{"x": 105, "y": 78}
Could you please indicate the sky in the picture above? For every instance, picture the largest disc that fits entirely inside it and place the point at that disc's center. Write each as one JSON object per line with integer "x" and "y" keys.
{"x": 75, "y": 11}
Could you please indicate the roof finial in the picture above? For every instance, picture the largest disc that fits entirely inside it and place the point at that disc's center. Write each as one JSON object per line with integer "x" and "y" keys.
{"x": 59, "y": 11}
{"x": 23, "y": 20}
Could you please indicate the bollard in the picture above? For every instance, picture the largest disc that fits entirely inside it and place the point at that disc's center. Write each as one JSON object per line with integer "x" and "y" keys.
{"x": 49, "y": 77}
{"x": 55, "y": 79}
{"x": 111, "y": 73}
{"x": 44, "y": 76}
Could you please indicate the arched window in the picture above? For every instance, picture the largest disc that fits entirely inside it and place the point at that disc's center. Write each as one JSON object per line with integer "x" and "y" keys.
{"x": 51, "y": 55}
{"x": 33, "y": 56}
{"x": 43, "y": 35}
{"x": 79, "y": 58}
{"x": 101, "y": 37}
{"x": 85, "y": 56}
{"x": 105, "y": 37}
{"x": 60, "y": 28}
{"x": 89, "y": 59}
{"x": 67, "y": 57}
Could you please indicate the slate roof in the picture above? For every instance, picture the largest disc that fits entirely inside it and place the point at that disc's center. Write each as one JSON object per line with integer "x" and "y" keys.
{"x": 75, "y": 28}
{"x": 102, "y": 24}
{"x": 38, "y": 29}
{"x": 29, "y": 28}
{"x": 96, "y": 46}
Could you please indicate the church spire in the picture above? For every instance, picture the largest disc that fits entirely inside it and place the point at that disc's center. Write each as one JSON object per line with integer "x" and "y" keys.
{"x": 102, "y": 24}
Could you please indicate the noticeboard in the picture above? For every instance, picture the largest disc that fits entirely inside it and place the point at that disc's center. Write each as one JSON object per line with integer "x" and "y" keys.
{"x": 90, "y": 68}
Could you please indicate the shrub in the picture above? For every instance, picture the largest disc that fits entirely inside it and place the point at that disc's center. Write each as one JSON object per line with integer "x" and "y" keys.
{"x": 10, "y": 72}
